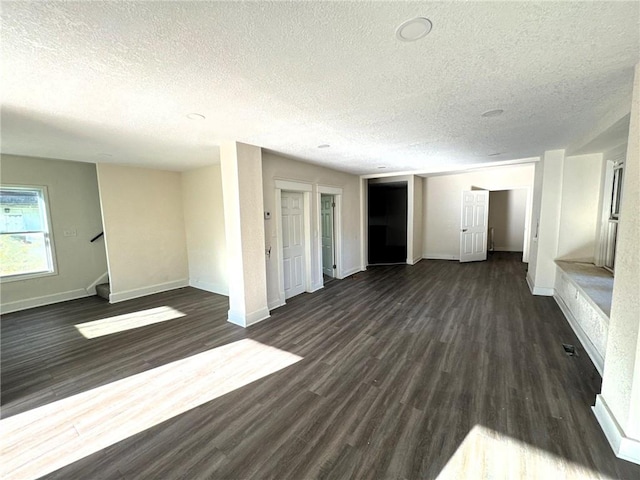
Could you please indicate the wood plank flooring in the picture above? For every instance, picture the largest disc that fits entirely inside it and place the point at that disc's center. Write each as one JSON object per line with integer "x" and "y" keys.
{"x": 438, "y": 370}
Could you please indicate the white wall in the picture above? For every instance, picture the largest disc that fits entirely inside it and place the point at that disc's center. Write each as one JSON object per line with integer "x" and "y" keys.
{"x": 579, "y": 214}
{"x": 144, "y": 230}
{"x": 618, "y": 407}
{"x": 535, "y": 222}
{"x": 274, "y": 168}
{"x": 241, "y": 168}
{"x": 442, "y": 203}
{"x": 507, "y": 212}
{"x": 204, "y": 228}
{"x": 74, "y": 205}
{"x": 541, "y": 275}
{"x": 418, "y": 216}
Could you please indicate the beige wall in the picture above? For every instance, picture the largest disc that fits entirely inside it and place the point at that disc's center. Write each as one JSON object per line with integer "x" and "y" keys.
{"x": 144, "y": 230}
{"x": 507, "y": 210}
{"x": 579, "y": 213}
{"x": 280, "y": 168}
{"x": 204, "y": 228}
{"x": 74, "y": 206}
{"x": 442, "y": 203}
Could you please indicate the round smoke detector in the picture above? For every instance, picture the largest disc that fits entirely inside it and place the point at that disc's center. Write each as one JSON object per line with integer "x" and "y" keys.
{"x": 414, "y": 29}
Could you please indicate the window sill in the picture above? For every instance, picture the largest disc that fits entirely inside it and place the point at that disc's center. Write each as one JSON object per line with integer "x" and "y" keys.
{"x": 26, "y": 276}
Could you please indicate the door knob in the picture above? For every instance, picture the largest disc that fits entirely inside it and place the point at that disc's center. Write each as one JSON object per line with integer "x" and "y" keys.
{"x": 464, "y": 230}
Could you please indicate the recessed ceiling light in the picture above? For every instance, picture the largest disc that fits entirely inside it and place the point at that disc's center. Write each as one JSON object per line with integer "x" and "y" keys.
{"x": 493, "y": 113}
{"x": 195, "y": 116}
{"x": 413, "y": 29}
{"x": 324, "y": 145}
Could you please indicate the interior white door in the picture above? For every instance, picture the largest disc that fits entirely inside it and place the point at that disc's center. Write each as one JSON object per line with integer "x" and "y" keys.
{"x": 293, "y": 243}
{"x": 326, "y": 215}
{"x": 474, "y": 225}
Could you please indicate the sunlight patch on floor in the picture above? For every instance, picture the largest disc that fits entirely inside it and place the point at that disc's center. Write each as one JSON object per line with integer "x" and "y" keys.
{"x": 488, "y": 454}
{"x": 128, "y": 321}
{"x": 47, "y": 438}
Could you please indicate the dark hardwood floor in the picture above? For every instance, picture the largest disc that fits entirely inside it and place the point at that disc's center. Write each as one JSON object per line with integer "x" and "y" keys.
{"x": 438, "y": 370}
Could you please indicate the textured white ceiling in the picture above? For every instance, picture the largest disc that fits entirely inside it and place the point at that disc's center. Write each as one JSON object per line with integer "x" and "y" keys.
{"x": 85, "y": 79}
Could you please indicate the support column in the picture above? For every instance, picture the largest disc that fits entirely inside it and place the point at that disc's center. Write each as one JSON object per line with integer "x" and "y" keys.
{"x": 241, "y": 167}
{"x": 618, "y": 406}
{"x": 546, "y": 223}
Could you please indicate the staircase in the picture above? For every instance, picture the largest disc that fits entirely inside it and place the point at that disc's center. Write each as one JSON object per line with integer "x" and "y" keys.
{"x": 103, "y": 290}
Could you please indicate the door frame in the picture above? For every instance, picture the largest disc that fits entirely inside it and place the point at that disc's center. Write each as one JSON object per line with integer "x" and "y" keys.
{"x": 305, "y": 189}
{"x": 337, "y": 222}
{"x": 528, "y": 217}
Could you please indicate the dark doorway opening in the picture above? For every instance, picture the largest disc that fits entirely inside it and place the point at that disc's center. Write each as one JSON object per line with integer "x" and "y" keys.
{"x": 387, "y": 223}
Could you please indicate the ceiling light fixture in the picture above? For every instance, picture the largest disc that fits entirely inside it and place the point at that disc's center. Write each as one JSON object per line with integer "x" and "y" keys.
{"x": 413, "y": 29}
{"x": 195, "y": 116}
{"x": 494, "y": 154}
{"x": 381, "y": 167}
{"x": 324, "y": 145}
{"x": 493, "y": 113}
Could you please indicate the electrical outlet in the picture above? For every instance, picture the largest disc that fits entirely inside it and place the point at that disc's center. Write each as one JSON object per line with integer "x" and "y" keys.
{"x": 72, "y": 232}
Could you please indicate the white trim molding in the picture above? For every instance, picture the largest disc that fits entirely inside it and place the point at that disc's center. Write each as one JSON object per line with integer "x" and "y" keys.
{"x": 351, "y": 271}
{"x": 541, "y": 291}
{"x": 624, "y": 447}
{"x": 210, "y": 287}
{"x": 337, "y": 221}
{"x": 293, "y": 186}
{"x": 305, "y": 189}
{"x": 588, "y": 346}
{"x": 150, "y": 290}
{"x": 42, "y": 301}
{"x": 91, "y": 289}
{"x": 276, "y": 303}
{"x": 439, "y": 256}
{"x": 248, "y": 319}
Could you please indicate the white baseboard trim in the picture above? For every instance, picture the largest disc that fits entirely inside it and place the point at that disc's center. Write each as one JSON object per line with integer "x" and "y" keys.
{"x": 350, "y": 272}
{"x": 594, "y": 355}
{"x": 273, "y": 304}
{"x": 42, "y": 301}
{"x": 416, "y": 260}
{"x": 144, "y": 291}
{"x": 248, "y": 319}
{"x": 104, "y": 278}
{"x": 529, "y": 282}
{"x": 624, "y": 447}
{"x": 439, "y": 256}
{"x": 543, "y": 291}
{"x": 507, "y": 249}
{"x": 210, "y": 287}
{"x": 315, "y": 288}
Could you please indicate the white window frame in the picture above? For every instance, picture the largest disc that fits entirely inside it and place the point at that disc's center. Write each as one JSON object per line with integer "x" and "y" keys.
{"x": 43, "y": 199}
{"x": 609, "y": 218}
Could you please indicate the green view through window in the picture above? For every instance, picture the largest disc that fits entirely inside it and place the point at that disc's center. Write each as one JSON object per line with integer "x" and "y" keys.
{"x": 25, "y": 244}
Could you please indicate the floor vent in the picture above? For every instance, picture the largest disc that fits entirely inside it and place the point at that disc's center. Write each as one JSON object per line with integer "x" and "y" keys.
{"x": 569, "y": 349}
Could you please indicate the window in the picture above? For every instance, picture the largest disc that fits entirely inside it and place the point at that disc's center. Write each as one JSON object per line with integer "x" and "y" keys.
{"x": 25, "y": 243}
{"x": 611, "y": 227}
